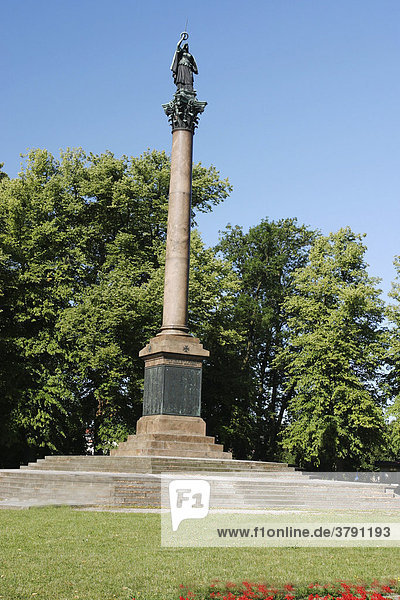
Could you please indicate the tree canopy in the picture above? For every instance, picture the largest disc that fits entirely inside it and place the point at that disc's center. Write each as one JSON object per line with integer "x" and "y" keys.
{"x": 303, "y": 364}
{"x": 334, "y": 357}
{"x": 81, "y": 240}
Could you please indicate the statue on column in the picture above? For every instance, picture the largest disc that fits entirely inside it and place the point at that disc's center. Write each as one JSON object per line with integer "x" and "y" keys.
{"x": 184, "y": 110}
{"x": 183, "y": 65}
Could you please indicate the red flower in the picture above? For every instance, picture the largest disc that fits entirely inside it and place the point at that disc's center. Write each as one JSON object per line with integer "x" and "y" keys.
{"x": 263, "y": 589}
{"x": 387, "y": 589}
{"x": 253, "y": 591}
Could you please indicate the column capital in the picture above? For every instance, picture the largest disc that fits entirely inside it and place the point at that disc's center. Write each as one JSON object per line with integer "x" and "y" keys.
{"x": 183, "y": 110}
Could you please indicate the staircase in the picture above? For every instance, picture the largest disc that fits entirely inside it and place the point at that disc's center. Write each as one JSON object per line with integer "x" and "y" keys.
{"x": 135, "y": 481}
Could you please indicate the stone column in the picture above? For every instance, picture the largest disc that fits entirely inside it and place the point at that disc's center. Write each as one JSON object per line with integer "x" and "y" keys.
{"x": 175, "y": 311}
{"x": 173, "y": 358}
{"x": 171, "y": 424}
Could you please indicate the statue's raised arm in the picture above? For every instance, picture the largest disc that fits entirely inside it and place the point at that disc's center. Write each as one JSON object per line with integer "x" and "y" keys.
{"x": 183, "y": 65}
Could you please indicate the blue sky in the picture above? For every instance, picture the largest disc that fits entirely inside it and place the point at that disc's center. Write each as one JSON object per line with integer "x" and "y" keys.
{"x": 303, "y": 100}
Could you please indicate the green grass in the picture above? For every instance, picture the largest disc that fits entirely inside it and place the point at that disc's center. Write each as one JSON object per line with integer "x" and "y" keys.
{"x": 62, "y": 554}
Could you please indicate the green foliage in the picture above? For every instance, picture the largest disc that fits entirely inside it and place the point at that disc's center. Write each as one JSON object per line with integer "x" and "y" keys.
{"x": 292, "y": 320}
{"x": 336, "y": 349}
{"x": 80, "y": 245}
{"x": 393, "y": 360}
{"x": 250, "y": 388}
{"x": 2, "y": 174}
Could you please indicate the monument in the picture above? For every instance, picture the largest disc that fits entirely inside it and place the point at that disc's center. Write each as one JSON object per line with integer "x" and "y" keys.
{"x": 171, "y": 435}
{"x": 171, "y": 424}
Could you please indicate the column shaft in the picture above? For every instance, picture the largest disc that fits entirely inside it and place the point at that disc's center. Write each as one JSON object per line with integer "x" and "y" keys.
{"x": 176, "y": 283}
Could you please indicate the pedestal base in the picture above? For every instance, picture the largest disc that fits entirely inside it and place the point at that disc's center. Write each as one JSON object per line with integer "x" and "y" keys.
{"x": 172, "y": 375}
{"x": 171, "y": 435}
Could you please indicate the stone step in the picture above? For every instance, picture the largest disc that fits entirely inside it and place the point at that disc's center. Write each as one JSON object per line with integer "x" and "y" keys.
{"x": 171, "y": 437}
{"x": 220, "y": 490}
{"x": 178, "y": 446}
{"x": 183, "y": 451}
{"x": 45, "y": 486}
{"x": 120, "y": 495}
{"x": 207, "y": 452}
{"x": 272, "y": 475}
{"x": 314, "y": 495}
{"x": 284, "y": 501}
{"x": 66, "y": 475}
{"x": 156, "y": 459}
{"x": 242, "y": 488}
{"x": 66, "y": 494}
{"x": 154, "y": 464}
{"x": 300, "y": 489}
{"x": 238, "y": 499}
{"x": 259, "y": 497}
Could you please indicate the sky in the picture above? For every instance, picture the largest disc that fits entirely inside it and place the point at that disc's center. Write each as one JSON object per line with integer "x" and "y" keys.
{"x": 303, "y": 101}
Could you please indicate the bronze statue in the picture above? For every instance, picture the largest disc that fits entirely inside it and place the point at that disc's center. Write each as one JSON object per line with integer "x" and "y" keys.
{"x": 184, "y": 109}
{"x": 183, "y": 65}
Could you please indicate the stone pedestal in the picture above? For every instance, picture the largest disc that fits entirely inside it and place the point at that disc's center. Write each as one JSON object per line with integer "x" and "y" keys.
{"x": 172, "y": 376}
{"x": 171, "y": 423}
{"x": 171, "y": 435}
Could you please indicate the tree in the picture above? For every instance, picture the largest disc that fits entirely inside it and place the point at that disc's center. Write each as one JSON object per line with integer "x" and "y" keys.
{"x": 80, "y": 240}
{"x": 249, "y": 394}
{"x": 337, "y": 345}
{"x": 393, "y": 379}
{"x": 2, "y": 174}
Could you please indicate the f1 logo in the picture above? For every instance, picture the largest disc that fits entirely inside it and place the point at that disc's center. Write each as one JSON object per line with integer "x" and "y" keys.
{"x": 188, "y": 499}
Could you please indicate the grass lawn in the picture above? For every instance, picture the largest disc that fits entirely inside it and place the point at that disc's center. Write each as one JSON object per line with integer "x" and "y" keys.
{"x": 61, "y": 554}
